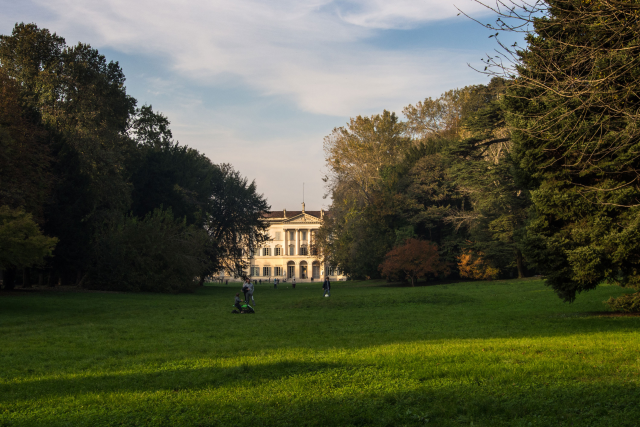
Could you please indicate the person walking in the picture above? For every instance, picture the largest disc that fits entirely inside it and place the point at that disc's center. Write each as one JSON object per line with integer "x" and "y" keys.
{"x": 275, "y": 283}
{"x": 293, "y": 283}
{"x": 326, "y": 287}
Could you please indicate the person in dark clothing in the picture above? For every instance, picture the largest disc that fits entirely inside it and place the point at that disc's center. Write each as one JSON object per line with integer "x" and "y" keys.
{"x": 238, "y": 303}
{"x": 326, "y": 287}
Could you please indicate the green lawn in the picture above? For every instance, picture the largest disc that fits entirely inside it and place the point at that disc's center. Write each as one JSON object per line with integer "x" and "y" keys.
{"x": 482, "y": 354}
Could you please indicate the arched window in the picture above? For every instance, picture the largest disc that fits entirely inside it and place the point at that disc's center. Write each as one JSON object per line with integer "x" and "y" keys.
{"x": 291, "y": 269}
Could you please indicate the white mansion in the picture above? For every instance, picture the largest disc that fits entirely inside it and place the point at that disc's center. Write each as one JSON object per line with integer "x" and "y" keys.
{"x": 289, "y": 252}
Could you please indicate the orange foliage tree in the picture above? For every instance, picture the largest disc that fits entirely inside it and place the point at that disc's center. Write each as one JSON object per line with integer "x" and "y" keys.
{"x": 475, "y": 267}
{"x": 414, "y": 259}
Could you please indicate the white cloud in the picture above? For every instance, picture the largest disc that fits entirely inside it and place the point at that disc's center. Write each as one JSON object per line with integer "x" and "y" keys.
{"x": 310, "y": 51}
{"x": 316, "y": 54}
{"x": 401, "y": 13}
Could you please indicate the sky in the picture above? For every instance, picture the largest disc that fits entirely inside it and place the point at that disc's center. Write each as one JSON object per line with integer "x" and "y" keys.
{"x": 259, "y": 84}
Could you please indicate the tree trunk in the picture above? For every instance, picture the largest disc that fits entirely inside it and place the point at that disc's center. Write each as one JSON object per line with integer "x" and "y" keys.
{"x": 78, "y": 277}
{"x": 9, "y": 278}
{"x": 40, "y": 279}
{"x": 26, "y": 278}
{"x": 81, "y": 282}
{"x": 519, "y": 263}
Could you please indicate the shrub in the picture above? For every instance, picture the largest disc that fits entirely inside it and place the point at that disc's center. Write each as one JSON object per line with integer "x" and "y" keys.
{"x": 154, "y": 254}
{"x": 629, "y": 303}
{"x": 414, "y": 259}
{"x": 474, "y": 267}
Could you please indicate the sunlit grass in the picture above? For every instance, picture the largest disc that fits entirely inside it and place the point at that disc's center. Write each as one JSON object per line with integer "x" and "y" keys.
{"x": 486, "y": 353}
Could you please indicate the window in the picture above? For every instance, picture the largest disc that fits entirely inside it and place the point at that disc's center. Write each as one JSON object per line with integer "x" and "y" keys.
{"x": 251, "y": 253}
{"x": 331, "y": 271}
{"x": 304, "y": 235}
{"x": 278, "y": 235}
{"x": 255, "y": 271}
{"x": 277, "y": 271}
{"x": 292, "y": 235}
{"x": 303, "y": 250}
{"x": 266, "y": 251}
{"x": 278, "y": 252}
{"x": 292, "y": 250}
{"x": 314, "y": 251}
{"x": 266, "y": 271}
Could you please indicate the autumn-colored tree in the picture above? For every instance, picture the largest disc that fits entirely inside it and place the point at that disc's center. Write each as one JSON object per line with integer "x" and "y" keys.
{"x": 474, "y": 267}
{"x": 414, "y": 259}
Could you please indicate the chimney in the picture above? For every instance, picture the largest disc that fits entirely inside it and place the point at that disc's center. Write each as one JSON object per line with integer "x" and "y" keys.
{"x": 285, "y": 212}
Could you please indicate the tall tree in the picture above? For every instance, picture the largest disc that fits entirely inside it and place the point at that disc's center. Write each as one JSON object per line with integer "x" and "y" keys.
{"x": 81, "y": 100}
{"x": 26, "y": 176}
{"x": 484, "y": 170}
{"x": 573, "y": 108}
{"x": 361, "y": 228}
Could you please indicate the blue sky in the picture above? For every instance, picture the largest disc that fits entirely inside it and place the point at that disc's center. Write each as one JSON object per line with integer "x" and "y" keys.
{"x": 258, "y": 84}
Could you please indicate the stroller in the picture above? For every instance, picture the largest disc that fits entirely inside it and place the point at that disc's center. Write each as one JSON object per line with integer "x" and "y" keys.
{"x": 244, "y": 309}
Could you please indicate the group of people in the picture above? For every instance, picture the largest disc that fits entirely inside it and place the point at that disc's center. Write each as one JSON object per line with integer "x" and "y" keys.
{"x": 248, "y": 288}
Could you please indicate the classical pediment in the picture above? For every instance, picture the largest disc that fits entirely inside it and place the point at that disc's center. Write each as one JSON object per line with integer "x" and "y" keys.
{"x": 303, "y": 218}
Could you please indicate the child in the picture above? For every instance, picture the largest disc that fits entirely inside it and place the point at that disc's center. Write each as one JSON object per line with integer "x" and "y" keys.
{"x": 238, "y": 303}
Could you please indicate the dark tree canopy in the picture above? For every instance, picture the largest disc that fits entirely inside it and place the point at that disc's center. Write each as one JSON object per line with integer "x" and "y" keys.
{"x": 573, "y": 110}
{"x": 100, "y": 175}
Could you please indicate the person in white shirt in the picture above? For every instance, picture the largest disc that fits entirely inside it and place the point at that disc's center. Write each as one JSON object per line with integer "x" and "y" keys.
{"x": 249, "y": 293}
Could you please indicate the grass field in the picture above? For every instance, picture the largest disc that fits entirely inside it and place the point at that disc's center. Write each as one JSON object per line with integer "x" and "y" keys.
{"x": 482, "y": 354}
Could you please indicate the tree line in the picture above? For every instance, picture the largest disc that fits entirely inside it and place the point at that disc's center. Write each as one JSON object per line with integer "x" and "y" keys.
{"x": 536, "y": 172}
{"x": 94, "y": 190}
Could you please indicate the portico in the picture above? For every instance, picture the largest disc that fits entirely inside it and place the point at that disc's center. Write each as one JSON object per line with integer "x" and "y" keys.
{"x": 290, "y": 252}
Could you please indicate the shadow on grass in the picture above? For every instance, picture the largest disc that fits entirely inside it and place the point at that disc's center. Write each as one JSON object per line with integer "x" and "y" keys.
{"x": 169, "y": 380}
{"x": 572, "y": 404}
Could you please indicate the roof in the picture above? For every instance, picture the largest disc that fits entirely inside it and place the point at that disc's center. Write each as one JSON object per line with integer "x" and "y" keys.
{"x": 290, "y": 214}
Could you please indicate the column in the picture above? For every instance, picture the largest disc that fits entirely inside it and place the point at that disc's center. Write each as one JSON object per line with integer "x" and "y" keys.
{"x": 285, "y": 248}
{"x": 297, "y": 249}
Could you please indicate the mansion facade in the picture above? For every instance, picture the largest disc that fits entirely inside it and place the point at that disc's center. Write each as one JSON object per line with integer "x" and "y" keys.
{"x": 289, "y": 253}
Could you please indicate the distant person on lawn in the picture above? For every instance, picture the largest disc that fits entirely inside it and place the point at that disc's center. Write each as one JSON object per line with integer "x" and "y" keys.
{"x": 249, "y": 294}
{"x": 275, "y": 283}
{"x": 326, "y": 287}
{"x": 293, "y": 283}
{"x": 238, "y": 302}
{"x": 245, "y": 288}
